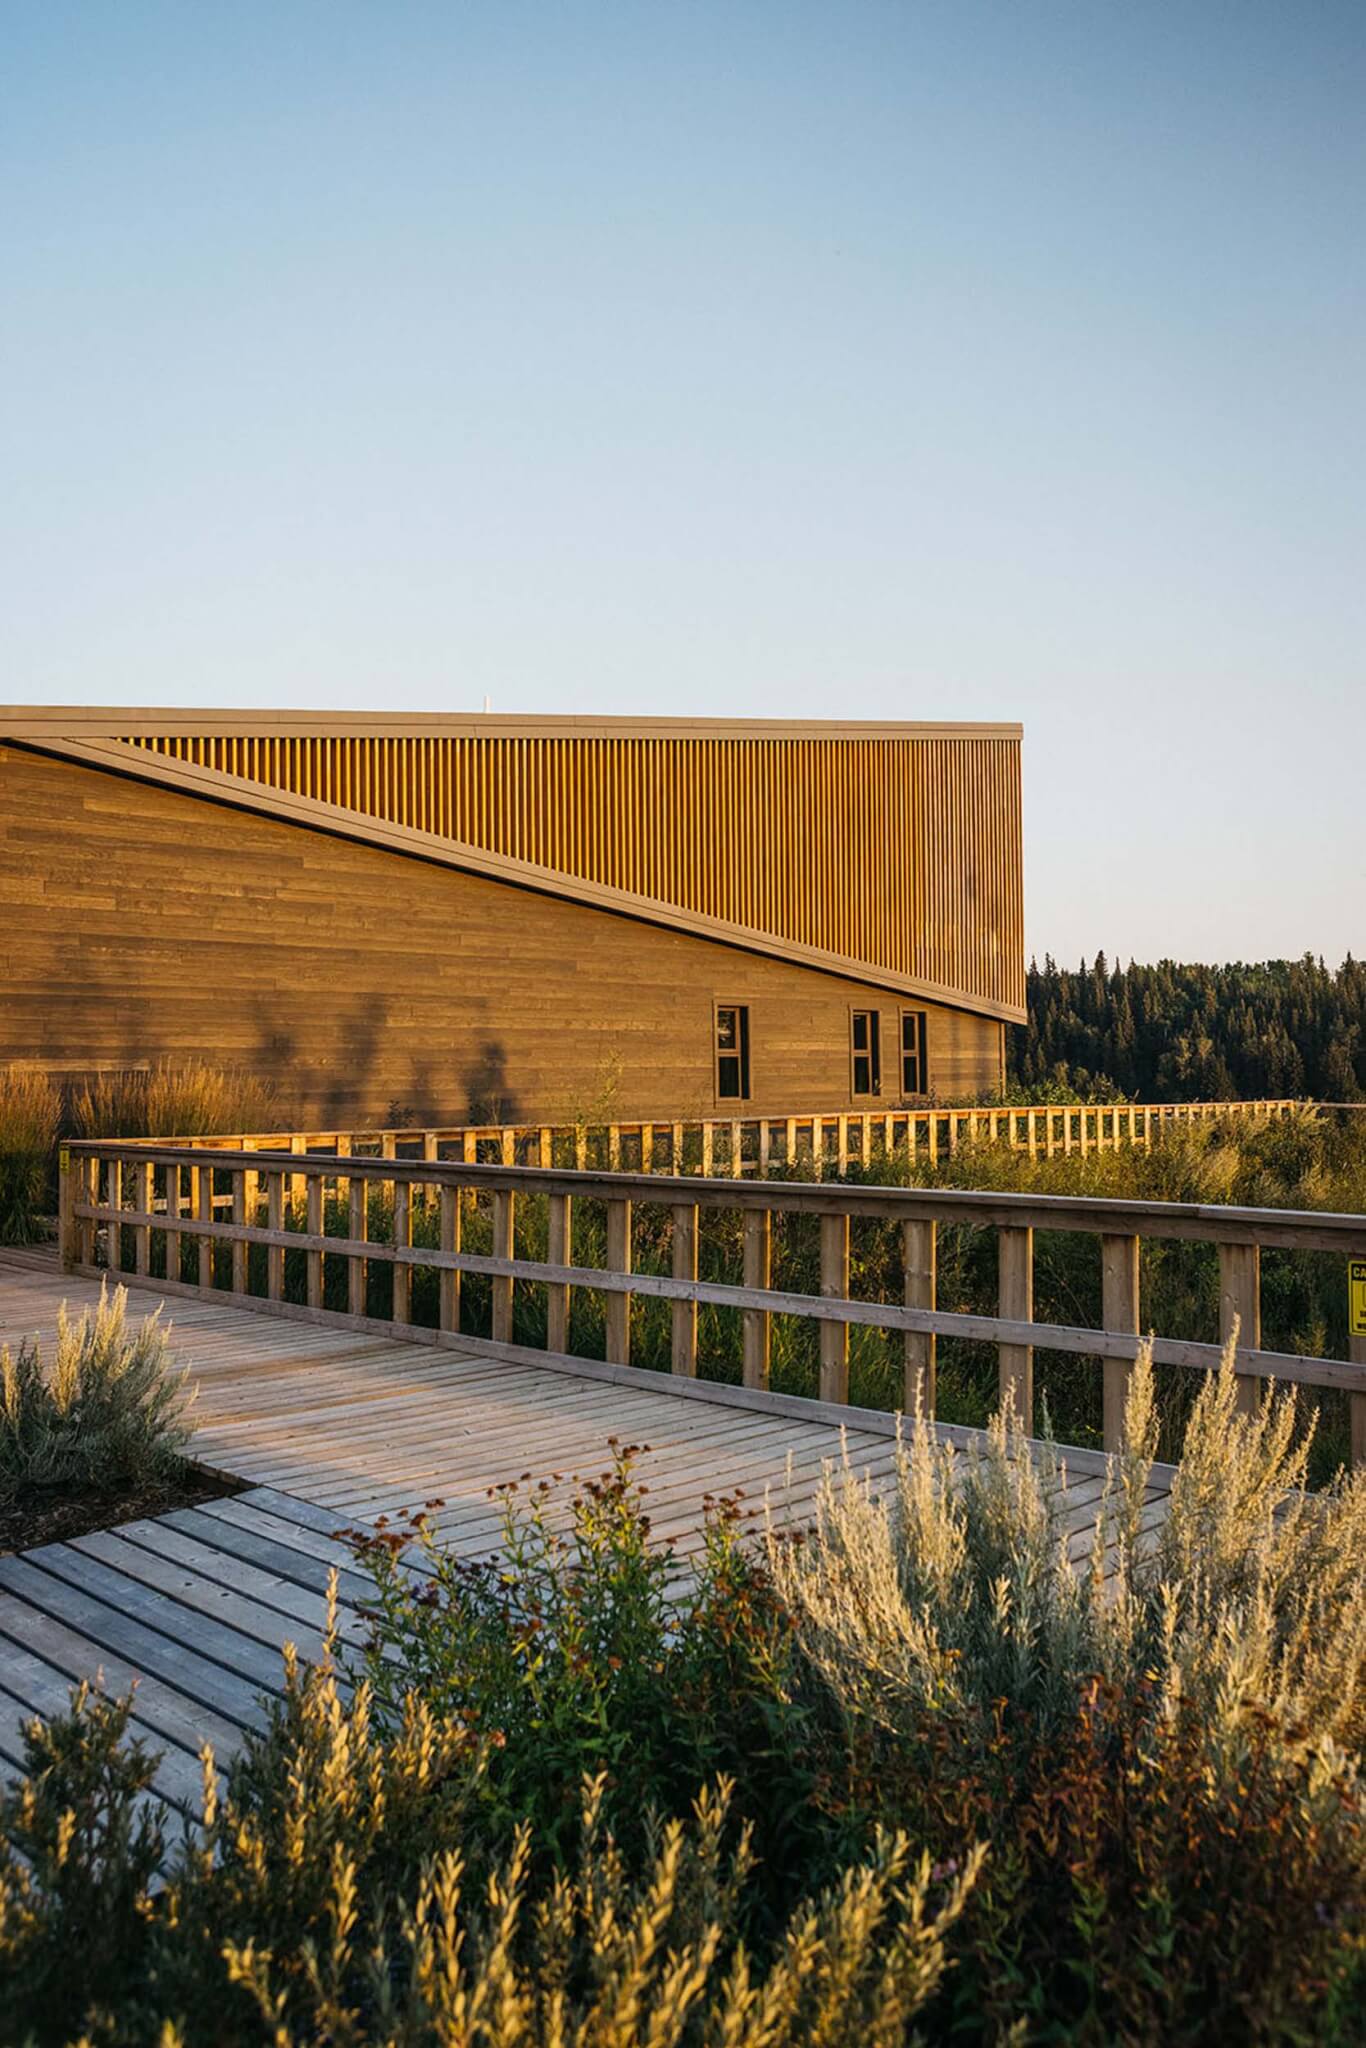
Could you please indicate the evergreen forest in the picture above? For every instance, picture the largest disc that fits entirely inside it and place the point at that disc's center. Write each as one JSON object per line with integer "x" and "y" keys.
{"x": 1177, "y": 1033}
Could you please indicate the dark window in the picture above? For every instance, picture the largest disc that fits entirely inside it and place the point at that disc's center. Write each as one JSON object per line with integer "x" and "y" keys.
{"x": 866, "y": 1046}
{"x": 732, "y": 1051}
{"x": 914, "y": 1073}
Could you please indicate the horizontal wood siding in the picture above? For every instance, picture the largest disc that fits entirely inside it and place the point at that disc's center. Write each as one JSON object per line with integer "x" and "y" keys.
{"x": 902, "y": 852}
{"x": 137, "y": 924}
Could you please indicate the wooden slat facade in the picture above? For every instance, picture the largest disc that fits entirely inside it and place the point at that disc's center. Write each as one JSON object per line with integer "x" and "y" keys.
{"x": 139, "y": 923}
{"x": 898, "y": 851}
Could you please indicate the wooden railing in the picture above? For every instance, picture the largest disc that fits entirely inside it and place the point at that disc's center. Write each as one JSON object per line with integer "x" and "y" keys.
{"x": 196, "y": 1199}
{"x": 736, "y": 1146}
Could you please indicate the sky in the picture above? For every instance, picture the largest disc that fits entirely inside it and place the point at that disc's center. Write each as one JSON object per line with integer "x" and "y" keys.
{"x": 862, "y": 361}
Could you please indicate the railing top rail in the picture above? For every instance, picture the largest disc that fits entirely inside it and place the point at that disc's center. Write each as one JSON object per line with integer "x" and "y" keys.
{"x": 1102, "y": 1215}
{"x": 875, "y": 1113}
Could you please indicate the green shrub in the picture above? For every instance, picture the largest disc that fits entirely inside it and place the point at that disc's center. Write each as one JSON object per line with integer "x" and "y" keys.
{"x": 108, "y": 1412}
{"x": 30, "y": 1109}
{"x": 1164, "y": 1764}
{"x": 581, "y": 1650}
{"x": 1030, "y": 1802}
{"x": 186, "y": 1099}
{"x": 330, "y": 1899}
{"x": 80, "y": 1845}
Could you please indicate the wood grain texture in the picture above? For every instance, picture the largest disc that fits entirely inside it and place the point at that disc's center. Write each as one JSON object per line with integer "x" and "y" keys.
{"x": 899, "y": 847}
{"x": 138, "y": 923}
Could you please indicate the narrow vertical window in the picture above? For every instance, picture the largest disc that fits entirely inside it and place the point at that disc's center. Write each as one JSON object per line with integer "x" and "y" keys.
{"x": 865, "y": 1028}
{"x": 914, "y": 1073}
{"x": 732, "y": 1052}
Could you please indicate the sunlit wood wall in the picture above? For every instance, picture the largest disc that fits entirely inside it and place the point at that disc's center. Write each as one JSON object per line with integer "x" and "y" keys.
{"x": 902, "y": 852}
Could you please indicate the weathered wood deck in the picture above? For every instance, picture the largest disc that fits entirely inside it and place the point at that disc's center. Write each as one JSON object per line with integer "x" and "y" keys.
{"x": 332, "y": 1429}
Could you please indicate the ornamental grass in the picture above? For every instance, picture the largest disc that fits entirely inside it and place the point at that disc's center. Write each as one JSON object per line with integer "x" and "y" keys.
{"x": 903, "y": 1772}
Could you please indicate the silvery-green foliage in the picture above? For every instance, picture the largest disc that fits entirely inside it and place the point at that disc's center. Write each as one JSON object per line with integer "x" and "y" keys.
{"x": 108, "y": 1408}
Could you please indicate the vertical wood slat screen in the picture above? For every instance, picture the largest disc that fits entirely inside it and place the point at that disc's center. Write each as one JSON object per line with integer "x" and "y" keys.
{"x": 903, "y": 853}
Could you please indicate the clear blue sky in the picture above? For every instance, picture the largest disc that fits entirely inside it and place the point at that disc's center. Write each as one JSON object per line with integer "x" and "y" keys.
{"x": 882, "y": 361}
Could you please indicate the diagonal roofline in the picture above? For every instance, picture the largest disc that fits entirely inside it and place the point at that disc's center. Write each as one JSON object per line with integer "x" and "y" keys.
{"x": 95, "y": 747}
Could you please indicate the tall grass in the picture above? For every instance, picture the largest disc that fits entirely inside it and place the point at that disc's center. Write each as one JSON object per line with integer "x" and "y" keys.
{"x": 906, "y": 1775}
{"x": 1162, "y": 1748}
{"x": 184, "y": 1099}
{"x": 30, "y": 1110}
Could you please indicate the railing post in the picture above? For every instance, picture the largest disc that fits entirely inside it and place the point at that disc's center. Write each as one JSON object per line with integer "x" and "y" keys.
{"x": 448, "y": 1287}
{"x": 358, "y": 1230}
{"x": 1119, "y": 1312}
{"x": 675, "y": 1148}
{"x": 708, "y": 1132}
{"x": 559, "y": 1252}
{"x": 920, "y": 1252}
{"x": 172, "y": 1218}
{"x": 756, "y": 1323}
{"x": 618, "y": 1261}
{"x": 86, "y": 1193}
{"x": 1016, "y": 1296}
{"x": 113, "y": 1257}
{"x": 504, "y": 1236}
{"x": 252, "y": 1184}
{"x": 683, "y": 1317}
{"x": 834, "y": 1337}
{"x": 68, "y": 1234}
{"x": 314, "y": 1191}
{"x": 403, "y": 1237}
{"x": 142, "y": 1201}
{"x": 1240, "y": 1303}
{"x": 344, "y": 1143}
{"x": 275, "y": 1220}
{"x": 203, "y": 1206}
{"x": 1356, "y": 1407}
{"x": 239, "y": 1249}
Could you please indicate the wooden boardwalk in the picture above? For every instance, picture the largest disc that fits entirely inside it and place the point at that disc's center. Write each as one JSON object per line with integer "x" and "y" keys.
{"x": 333, "y": 1429}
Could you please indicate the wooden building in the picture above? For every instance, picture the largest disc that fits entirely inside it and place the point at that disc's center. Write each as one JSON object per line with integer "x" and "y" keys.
{"x": 505, "y": 918}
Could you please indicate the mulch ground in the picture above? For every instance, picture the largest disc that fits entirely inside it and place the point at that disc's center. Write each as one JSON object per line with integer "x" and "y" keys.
{"x": 52, "y": 1515}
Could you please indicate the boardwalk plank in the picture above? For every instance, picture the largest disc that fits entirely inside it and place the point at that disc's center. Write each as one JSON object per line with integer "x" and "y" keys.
{"x": 172, "y": 1716}
{"x": 147, "y": 1648}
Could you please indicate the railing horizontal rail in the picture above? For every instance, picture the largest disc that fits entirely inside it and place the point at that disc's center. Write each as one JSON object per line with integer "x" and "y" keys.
{"x": 245, "y": 1199}
{"x": 1284, "y": 1365}
{"x": 1103, "y": 1215}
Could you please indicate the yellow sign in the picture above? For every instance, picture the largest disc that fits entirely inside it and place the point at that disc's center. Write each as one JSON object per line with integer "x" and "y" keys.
{"x": 1356, "y": 1297}
{"x": 64, "y": 1165}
